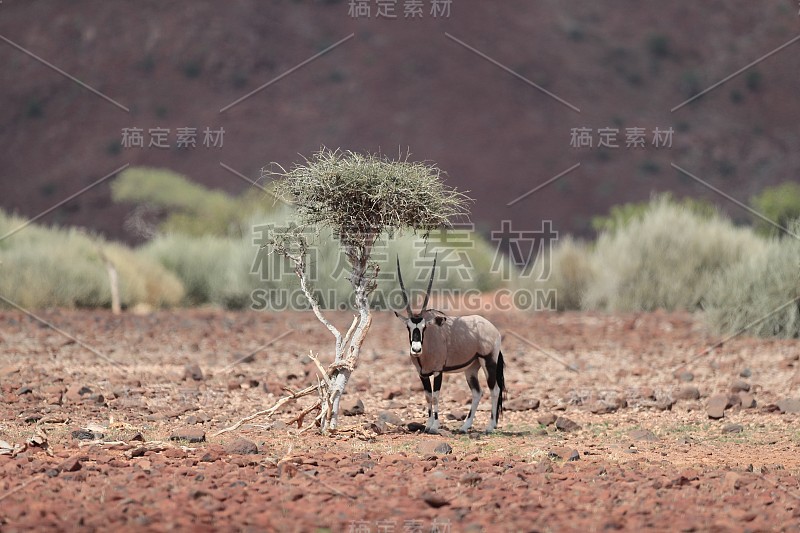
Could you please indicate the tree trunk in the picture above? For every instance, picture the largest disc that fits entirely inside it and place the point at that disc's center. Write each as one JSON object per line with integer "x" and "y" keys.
{"x": 347, "y": 355}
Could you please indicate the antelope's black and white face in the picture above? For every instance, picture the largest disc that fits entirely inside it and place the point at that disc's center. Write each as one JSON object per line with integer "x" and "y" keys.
{"x": 416, "y": 333}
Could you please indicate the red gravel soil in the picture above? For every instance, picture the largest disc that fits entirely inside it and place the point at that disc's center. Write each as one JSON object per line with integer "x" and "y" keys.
{"x": 612, "y": 422}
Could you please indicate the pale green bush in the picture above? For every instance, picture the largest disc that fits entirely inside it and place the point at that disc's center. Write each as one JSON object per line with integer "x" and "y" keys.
{"x": 752, "y": 296}
{"x": 52, "y": 267}
{"x": 567, "y": 269}
{"x": 668, "y": 258}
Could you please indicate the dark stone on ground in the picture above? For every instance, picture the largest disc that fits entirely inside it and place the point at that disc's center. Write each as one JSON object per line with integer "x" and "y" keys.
{"x": 390, "y": 418}
{"x": 717, "y": 405}
{"x": 688, "y": 392}
{"x": 748, "y": 400}
{"x": 416, "y": 426}
{"x": 192, "y": 371}
{"x": 732, "y": 428}
{"x": 434, "y": 447}
{"x": 241, "y": 447}
{"x": 643, "y": 435}
{"x": 740, "y": 386}
{"x": 457, "y": 415}
{"x": 566, "y": 454}
{"x": 745, "y": 373}
{"x": 789, "y": 405}
{"x": 565, "y": 424}
{"x": 190, "y": 434}
{"x": 521, "y": 404}
{"x": 434, "y": 500}
{"x": 73, "y": 464}
{"x": 547, "y": 419}
{"x": 354, "y": 408}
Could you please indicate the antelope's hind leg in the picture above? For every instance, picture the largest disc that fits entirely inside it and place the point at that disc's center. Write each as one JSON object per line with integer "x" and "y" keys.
{"x": 471, "y": 374}
{"x": 490, "y": 368}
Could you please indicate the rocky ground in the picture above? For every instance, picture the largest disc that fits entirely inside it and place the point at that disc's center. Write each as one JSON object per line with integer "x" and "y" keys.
{"x": 613, "y": 422}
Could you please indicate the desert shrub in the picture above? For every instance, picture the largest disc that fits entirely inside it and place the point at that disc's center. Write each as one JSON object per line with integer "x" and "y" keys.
{"x": 212, "y": 269}
{"x": 54, "y": 267}
{"x": 748, "y": 296}
{"x": 567, "y": 269}
{"x": 191, "y": 208}
{"x": 781, "y": 204}
{"x": 667, "y": 258}
{"x": 621, "y": 215}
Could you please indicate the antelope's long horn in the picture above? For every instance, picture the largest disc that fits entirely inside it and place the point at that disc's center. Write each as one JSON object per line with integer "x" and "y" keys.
{"x": 403, "y": 287}
{"x": 430, "y": 283}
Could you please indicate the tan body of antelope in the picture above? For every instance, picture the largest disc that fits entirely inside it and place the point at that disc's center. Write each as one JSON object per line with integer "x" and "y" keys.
{"x": 441, "y": 344}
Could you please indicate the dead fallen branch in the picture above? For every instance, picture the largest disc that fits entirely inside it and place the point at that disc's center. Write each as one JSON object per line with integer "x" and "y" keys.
{"x": 272, "y": 410}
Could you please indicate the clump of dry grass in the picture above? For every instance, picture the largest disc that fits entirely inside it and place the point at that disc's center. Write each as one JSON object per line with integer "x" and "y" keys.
{"x": 666, "y": 259}
{"x": 358, "y": 194}
{"x": 760, "y": 295}
{"x": 566, "y": 268}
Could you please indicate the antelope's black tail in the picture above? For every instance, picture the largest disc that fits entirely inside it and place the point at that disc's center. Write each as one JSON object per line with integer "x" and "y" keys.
{"x": 501, "y": 382}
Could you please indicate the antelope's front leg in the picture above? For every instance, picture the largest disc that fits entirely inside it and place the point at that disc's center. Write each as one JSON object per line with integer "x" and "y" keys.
{"x": 433, "y": 415}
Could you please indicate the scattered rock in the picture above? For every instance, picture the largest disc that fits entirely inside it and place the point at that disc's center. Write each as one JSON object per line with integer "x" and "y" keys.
{"x": 717, "y": 405}
{"x": 416, "y": 426}
{"x": 192, "y": 371}
{"x": 547, "y": 419}
{"x": 565, "y": 424}
{"x": 434, "y": 500}
{"x": 76, "y": 391}
{"x": 748, "y": 400}
{"x": 521, "y": 404}
{"x": 732, "y": 428}
{"x": 545, "y": 466}
{"x": 602, "y": 408}
{"x": 685, "y": 376}
{"x": 789, "y": 405}
{"x": 740, "y": 386}
{"x": 241, "y": 447}
{"x": 566, "y": 454}
{"x": 391, "y": 394}
{"x": 353, "y": 408}
{"x": 86, "y": 434}
{"x": 390, "y": 418}
{"x": 73, "y": 464}
{"x": 688, "y": 392}
{"x": 471, "y": 479}
{"x": 379, "y": 426}
{"x": 732, "y": 480}
{"x": 24, "y": 390}
{"x": 457, "y": 415}
{"x": 190, "y": 434}
{"x": 646, "y": 393}
{"x": 434, "y": 447}
{"x": 643, "y": 435}
{"x": 745, "y": 373}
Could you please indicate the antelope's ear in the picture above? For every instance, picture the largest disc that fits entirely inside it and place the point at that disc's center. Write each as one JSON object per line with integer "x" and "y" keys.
{"x": 440, "y": 320}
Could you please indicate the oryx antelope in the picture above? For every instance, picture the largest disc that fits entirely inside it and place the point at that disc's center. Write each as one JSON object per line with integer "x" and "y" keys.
{"x": 440, "y": 343}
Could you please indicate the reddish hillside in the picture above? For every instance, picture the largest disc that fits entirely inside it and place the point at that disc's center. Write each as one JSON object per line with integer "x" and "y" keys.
{"x": 402, "y": 84}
